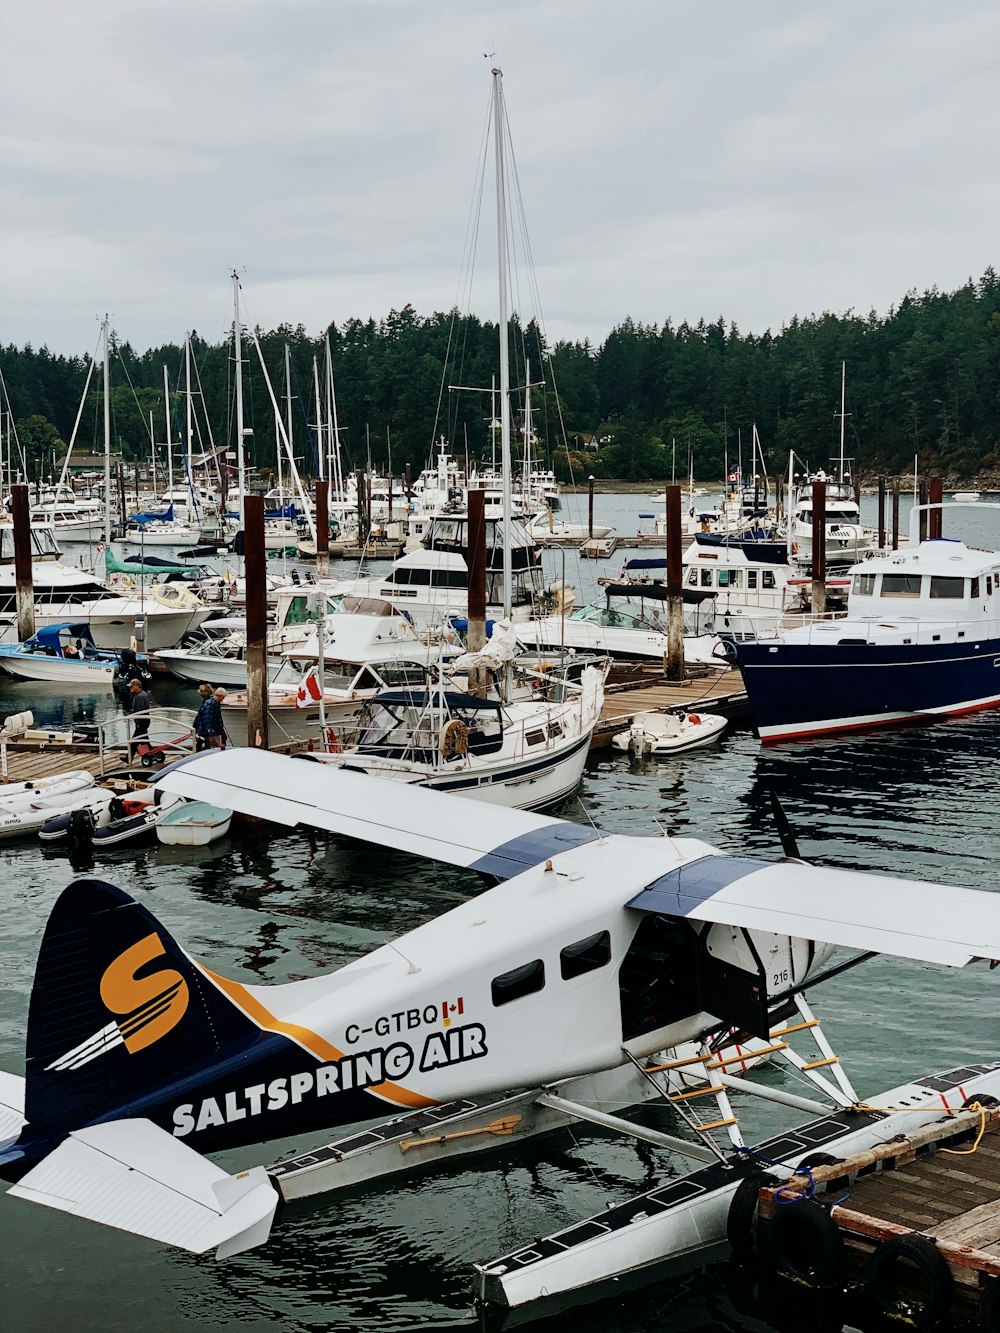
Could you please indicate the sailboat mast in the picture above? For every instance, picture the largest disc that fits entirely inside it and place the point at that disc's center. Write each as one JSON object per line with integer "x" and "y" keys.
{"x": 166, "y": 413}
{"x": 107, "y": 434}
{"x": 188, "y": 423}
{"x": 288, "y": 422}
{"x": 843, "y": 385}
{"x": 504, "y": 359}
{"x": 238, "y": 348}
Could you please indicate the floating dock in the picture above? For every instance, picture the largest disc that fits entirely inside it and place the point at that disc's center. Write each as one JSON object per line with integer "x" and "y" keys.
{"x": 914, "y": 1222}
{"x": 715, "y": 691}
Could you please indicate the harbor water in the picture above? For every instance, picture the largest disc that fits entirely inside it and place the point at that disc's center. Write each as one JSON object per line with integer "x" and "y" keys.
{"x": 918, "y": 802}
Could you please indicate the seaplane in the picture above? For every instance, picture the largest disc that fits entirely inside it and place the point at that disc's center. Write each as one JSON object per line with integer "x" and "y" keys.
{"x": 599, "y": 971}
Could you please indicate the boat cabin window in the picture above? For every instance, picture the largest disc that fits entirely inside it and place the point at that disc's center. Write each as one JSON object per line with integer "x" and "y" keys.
{"x": 947, "y": 587}
{"x": 730, "y": 578}
{"x": 989, "y": 586}
{"x": 692, "y": 577}
{"x": 768, "y": 578}
{"x": 751, "y": 578}
{"x": 585, "y": 955}
{"x": 975, "y": 587}
{"x": 298, "y": 611}
{"x": 900, "y": 585}
{"x": 864, "y": 585}
{"x": 706, "y": 578}
{"x": 517, "y": 983}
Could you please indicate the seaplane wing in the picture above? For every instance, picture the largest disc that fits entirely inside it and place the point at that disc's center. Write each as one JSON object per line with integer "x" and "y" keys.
{"x": 132, "y": 1175}
{"x": 293, "y": 791}
{"x": 909, "y": 918}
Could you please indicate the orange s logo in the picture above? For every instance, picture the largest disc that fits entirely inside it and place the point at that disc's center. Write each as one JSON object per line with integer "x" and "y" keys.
{"x": 150, "y": 1006}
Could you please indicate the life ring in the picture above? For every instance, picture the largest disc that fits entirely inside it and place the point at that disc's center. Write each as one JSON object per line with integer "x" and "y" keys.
{"x": 914, "y": 1252}
{"x": 454, "y": 739}
{"x": 806, "y": 1245}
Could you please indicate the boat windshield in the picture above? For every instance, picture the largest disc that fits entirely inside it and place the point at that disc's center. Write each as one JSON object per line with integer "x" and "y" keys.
{"x": 415, "y": 730}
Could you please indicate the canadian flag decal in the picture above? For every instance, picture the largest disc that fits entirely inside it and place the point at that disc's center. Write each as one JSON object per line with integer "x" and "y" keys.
{"x": 451, "y": 1008}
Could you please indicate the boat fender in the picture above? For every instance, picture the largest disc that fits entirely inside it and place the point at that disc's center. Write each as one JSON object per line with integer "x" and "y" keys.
{"x": 694, "y": 719}
{"x": 454, "y": 739}
{"x": 741, "y": 1220}
{"x": 928, "y": 1292}
{"x": 332, "y": 741}
{"x": 806, "y": 1246}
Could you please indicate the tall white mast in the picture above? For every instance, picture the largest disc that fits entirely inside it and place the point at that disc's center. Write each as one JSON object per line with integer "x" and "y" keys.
{"x": 504, "y": 362}
{"x": 238, "y": 346}
{"x": 843, "y": 385}
{"x": 288, "y": 421}
{"x": 107, "y": 434}
{"x": 166, "y": 413}
{"x": 192, "y": 507}
{"x": 336, "y": 468}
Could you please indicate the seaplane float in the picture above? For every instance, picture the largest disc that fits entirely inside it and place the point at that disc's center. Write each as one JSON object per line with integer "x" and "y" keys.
{"x": 601, "y": 972}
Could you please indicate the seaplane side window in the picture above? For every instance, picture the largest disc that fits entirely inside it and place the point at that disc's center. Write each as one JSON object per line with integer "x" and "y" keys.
{"x": 585, "y": 955}
{"x": 768, "y": 578}
{"x": 900, "y": 585}
{"x": 520, "y": 981}
{"x": 947, "y": 587}
{"x": 864, "y": 585}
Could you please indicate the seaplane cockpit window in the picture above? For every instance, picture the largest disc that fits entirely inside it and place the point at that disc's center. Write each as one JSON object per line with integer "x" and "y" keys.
{"x": 900, "y": 585}
{"x": 520, "y": 981}
{"x": 864, "y": 585}
{"x": 947, "y": 587}
{"x": 585, "y": 955}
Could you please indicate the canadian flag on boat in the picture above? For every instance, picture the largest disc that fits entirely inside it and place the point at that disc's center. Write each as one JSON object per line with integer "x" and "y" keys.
{"x": 309, "y": 691}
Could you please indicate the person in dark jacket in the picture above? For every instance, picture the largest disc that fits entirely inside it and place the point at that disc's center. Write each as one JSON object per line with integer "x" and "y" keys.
{"x": 139, "y": 702}
{"x": 128, "y": 670}
{"x": 208, "y": 720}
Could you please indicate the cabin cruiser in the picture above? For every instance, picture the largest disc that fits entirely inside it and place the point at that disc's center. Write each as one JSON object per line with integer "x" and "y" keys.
{"x": 847, "y": 539}
{"x": 369, "y": 646}
{"x": 525, "y": 753}
{"x": 72, "y": 517}
{"x": 921, "y": 639}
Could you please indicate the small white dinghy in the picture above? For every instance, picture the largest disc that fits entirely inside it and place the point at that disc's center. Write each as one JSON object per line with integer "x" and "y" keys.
{"x": 966, "y": 497}
{"x": 193, "y": 824}
{"x": 660, "y": 732}
{"x": 26, "y": 806}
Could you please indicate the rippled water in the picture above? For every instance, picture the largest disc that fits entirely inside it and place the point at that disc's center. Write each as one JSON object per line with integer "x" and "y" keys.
{"x": 919, "y": 802}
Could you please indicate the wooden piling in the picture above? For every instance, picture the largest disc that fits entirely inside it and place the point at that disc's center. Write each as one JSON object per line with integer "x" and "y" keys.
{"x": 476, "y": 563}
{"x": 322, "y": 529}
{"x": 258, "y": 730}
{"x": 935, "y": 517}
{"x": 895, "y": 514}
{"x": 819, "y": 548}
{"x": 881, "y": 513}
{"x": 24, "y": 592}
{"x": 675, "y": 590}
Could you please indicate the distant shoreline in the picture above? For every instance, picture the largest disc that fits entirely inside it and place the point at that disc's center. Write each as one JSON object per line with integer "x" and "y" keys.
{"x": 869, "y": 486}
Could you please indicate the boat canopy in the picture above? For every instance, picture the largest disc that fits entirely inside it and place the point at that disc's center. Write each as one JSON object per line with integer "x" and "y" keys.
{"x": 158, "y": 516}
{"x": 654, "y": 592}
{"x": 150, "y": 565}
{"x": 449, "y": 698}
{"x": 48, "y": 635}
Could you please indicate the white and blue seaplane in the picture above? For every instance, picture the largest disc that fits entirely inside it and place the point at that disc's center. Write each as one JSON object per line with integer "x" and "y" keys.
{"x": 604, "y": 971}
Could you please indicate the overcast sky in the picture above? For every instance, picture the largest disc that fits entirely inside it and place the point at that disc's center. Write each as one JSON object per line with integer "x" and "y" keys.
{"x": 675, "y": 159}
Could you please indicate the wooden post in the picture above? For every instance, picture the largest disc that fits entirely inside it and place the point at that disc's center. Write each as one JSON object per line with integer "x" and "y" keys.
{"x": 881, "y": 513}
{"x": 590, "y": 508}
{"x": 24, "y": 592}
{"x": 819, "y": 548}
{"x": 935, "y": 517}
{"x": 258, "y": 731}
{"x": 675, "y": 590}
{"x": 322, "y": 529}
{"x": 479, "y": 678}
{"x": 922, "y": 500}
{"x": 895, "y": 514}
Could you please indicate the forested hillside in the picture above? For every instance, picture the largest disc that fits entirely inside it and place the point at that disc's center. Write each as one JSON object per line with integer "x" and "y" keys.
{"x": 924, "y": 377}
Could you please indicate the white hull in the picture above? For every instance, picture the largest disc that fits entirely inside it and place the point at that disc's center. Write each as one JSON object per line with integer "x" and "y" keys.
{"x": 114, "y": 626}
{"x": 553, "y": 632}
{"x": 194, "y": 824}
{"x": 36, "y": 666}
{"x": 180, "y": 534}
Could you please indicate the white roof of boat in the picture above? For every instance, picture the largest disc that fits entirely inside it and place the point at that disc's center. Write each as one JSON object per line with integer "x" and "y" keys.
{"x": 938, "y": 556}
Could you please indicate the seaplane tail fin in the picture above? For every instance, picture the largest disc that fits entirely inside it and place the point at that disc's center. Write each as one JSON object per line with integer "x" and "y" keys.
{"x": 118, "y": 1012}
{"x": 134, "y": 1176}
{"x": 933, "y": 923}
{"x": 292, "y": 791}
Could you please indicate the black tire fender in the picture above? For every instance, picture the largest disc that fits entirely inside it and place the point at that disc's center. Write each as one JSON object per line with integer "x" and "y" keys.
{"x": 741, "y": 1221}
{"x": 925, "y": 1309}
{"x": 988, "y": 1310}
{"x": 806, "y": 1246}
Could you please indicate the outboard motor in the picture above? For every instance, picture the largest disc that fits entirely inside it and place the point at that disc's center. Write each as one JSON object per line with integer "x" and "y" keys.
{"x": 80, "y": 833}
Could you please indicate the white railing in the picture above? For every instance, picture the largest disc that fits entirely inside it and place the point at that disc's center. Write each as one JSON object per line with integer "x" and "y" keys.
{"x": 170, "y": 736}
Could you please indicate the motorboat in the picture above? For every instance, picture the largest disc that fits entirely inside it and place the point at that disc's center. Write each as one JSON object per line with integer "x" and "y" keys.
{"x": 111, "y": 819}
{"x": 25, "y": 811}
{"x": 65, "y": 653}
{"x": 369, "y": 646}
{"x": 921, "y": 639}
{"x": 525, "y": 753}
{"x": 966, "y": 497}
{"x": 664, "y": 731}
{"x": 193, "y": 824}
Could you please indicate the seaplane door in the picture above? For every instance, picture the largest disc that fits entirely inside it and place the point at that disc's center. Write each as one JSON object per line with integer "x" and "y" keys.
{"x": 733, "y": 979}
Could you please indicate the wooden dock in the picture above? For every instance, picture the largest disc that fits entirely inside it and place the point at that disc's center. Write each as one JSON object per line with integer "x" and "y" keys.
{"x": 916, "y": 1221}
{"x": 627, "y": 694}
